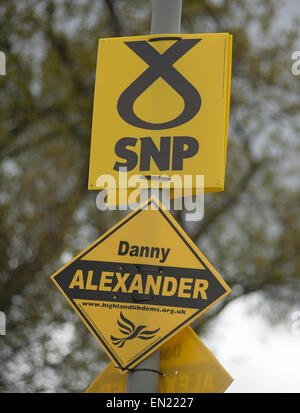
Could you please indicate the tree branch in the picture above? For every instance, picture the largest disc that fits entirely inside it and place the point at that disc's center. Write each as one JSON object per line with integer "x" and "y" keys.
{"x": 231, "y": 199}
{"x": 117, "y": 28}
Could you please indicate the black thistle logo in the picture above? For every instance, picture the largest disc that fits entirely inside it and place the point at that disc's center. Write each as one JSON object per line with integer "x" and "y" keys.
{"x": 131, "y": 331}
{"x": 160, "y": 66}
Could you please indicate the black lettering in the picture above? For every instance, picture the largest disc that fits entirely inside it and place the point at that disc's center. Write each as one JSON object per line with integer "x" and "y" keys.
{"x": 164, "y": 254}
{"x": 124, "y": 153}
{"x": 146, "y": 249}
{"x": 179, "y": 153}
{"x": 134, "y": 251}
{"x": 149, "y": 150}
{"x": 121, "y": 250}
{"x": 154, "y": 251}
{"x": 160, "y": 66}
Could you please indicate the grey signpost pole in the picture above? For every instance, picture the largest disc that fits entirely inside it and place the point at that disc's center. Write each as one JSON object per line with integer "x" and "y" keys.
{"x": 166, "y": 18}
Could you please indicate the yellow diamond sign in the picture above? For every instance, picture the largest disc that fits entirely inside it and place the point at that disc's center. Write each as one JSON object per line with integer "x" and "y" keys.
{"x": 139, "y": 284}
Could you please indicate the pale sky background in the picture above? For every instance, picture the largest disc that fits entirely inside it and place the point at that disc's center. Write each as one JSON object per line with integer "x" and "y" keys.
{"x": 259, "y": 357}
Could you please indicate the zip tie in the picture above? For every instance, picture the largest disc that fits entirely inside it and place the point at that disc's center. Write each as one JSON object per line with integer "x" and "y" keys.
{"x": 155, "y": 39}
{"x": 137, "y": 299}
{"x": 133, "y": 370}
{"x": 156, "y": 177}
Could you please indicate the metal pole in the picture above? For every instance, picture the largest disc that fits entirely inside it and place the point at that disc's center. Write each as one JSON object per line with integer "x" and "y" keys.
{"x": 166, "y": 18}
{"x": 145, "y": 380}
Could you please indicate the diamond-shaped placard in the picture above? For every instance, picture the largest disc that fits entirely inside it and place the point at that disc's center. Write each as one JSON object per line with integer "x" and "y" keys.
{"x": 139, "y": 284}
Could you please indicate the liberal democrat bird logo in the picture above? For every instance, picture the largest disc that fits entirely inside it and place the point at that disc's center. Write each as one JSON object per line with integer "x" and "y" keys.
{"x": 130, "y": 332}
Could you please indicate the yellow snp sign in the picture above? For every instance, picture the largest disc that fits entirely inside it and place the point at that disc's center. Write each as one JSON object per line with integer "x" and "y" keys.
{"x": 186, "y": 364}
{"x": 140, "y": 283}
{"x": 161, "y": 107}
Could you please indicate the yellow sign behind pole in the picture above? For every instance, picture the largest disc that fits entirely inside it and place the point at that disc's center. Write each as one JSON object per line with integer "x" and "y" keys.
{"x": 161, "y": 107}
{"x": 187, "y": 366}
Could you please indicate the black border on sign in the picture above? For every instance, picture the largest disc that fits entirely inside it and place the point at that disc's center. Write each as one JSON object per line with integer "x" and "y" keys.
{"x": 156, "y": 344}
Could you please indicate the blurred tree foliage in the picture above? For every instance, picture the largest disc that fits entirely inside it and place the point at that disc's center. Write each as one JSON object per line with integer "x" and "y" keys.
{"x": 250, "y": 232}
